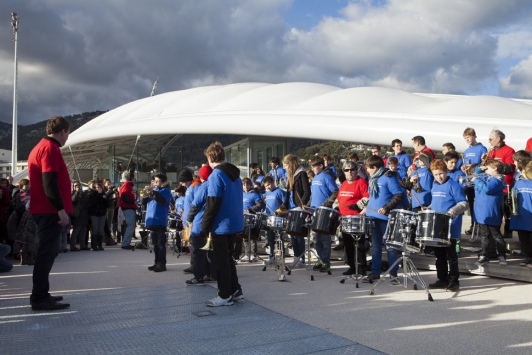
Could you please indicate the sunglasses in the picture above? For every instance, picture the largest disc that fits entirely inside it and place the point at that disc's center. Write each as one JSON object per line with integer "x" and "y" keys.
{"x": 348, "y": 170}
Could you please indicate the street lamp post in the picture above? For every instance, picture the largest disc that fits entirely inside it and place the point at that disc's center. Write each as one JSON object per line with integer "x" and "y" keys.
{"x": 14, "y": 24}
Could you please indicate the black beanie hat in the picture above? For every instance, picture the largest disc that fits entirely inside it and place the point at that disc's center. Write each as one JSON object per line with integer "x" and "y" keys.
{"x": 184, "y": 176}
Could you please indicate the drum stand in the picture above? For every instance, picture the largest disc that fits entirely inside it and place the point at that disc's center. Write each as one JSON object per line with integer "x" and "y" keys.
{"x": 356, "y": 276}
{"x": 309, "y": 251}
{"x": 249, "y": 250}
{"x": 280, "y": 267}
{"x": 409, "y": 269}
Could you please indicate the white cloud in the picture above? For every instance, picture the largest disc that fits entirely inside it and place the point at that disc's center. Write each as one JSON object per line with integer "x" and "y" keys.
{"x": 519, "y": 81}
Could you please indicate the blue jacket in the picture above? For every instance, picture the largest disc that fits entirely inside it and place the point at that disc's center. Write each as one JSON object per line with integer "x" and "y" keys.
{"x": 426, "y": 180}
{"x": 198, "y": 206}
{"x": 444, "y": 197}
{"x": 388, "y": 186}
{"x": 224, "y": 206}
{"x": 524, "y": 201}
{"x": 157, "y": 208}
{"x": 321, "y": 189}
{"x": 488, "y": 201}
{"x": 404, "y": 160}
{"x": 279, "y": 173}
{"x": 474, "y": 153}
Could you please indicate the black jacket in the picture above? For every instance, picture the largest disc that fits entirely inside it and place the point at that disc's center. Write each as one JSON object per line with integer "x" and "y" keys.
{"x": 98, "y": 204}
{"x": 301, "y": 193}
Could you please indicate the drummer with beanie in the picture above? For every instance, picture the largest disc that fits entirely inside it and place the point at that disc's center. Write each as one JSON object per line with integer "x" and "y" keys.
{"x": 323, "y": 191}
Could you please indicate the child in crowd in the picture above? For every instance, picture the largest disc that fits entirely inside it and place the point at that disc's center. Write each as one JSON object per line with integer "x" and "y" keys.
{"x": 393, "y": 164}
{"x": 447, "y": 197}
{"x": 422, "y": 181}
{"x": 180, "y": 192}
{"x": 450, "y": 148}
{"x": 253, "y": 203}
{"x": 273, "y": 198}
{"x": 451, "y": 160}
{"x": 488, "y": 213}
{"x": 522, "y": 222}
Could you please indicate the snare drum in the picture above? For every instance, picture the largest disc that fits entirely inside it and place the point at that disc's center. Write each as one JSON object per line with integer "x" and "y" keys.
{"x": 295, "y": 223}
{"x": 251, "y": 227}
{"x": 276, "y": 223}
{"x": 398, "y": 220}
{"x": 355, "y": 225}
{"x": 434, "y": 228}
{"x": 325, "y": 221}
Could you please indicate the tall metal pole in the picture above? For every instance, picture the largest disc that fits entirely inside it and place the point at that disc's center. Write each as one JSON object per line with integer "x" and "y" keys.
{"x": 14, "y": 24}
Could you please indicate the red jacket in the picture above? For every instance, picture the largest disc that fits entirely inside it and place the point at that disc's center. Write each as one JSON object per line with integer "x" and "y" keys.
{"x": 50, "y": 181}
{"x": 504, "y": 155}
{"x": 127, "y": 190}
{"x": 349, "y": 194}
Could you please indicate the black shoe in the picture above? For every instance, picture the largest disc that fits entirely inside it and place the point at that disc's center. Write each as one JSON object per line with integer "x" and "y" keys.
{"x": 195, "y": 282}
{"x": 371, "y": 276}
{"x": 74, "y": 249}
{"x": 349, "y": 271}
{"x": 453, "y": 287}
{"x": 159, "y": 268}
{"x": 209, "y": 279}
{"x": 339, "y": 247}
{"x": 128, "y": 247}
{"x": 48, "y": 305}
{"x": 482, "y": 261}
{"x": 188, "y": 270}
{"x": 507, "y": 235}
{"x": 151, "y": 268}
{"x": 55, "y": 298}
{"x": 439, "y": 284}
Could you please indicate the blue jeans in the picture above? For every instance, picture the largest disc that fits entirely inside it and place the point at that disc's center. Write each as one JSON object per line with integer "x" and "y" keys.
{"x": 323, "y": 247}
{"x": 5, "y": 265}
{"x": 48, "y": 231}
{"x": 158, "y": 239}
{"x": 130, "y": 228}
{"x": 377, "y": 235}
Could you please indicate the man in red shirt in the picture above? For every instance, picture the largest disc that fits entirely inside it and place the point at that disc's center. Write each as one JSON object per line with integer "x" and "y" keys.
{"x": 418, "y": 142}
{"x": 50, "y": 205}
{"x": 352, "y": 198}
{"x": 127, "y": 201}
{"x": 503, "y": 153}
{"x": 528, "y": 147}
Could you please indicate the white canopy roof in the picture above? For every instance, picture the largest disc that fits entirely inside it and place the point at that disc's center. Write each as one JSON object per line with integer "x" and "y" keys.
{"x": 306, "y": 110}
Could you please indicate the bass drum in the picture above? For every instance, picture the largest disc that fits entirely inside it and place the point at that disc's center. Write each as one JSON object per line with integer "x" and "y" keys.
{"x": 325, "y": 221}
{"x": 398, "y": 220}
{"x": 296, "y": 220}
{"x": 434, "y": 228}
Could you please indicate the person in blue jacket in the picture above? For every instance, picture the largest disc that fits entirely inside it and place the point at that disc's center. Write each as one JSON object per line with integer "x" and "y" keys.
{"x": 203, "y": 271}
{"x": 253, "y": 204}
{"x": 451, "y": 160}
{"x": 522, "y": 222}
{"x": 488, "y": 213}
{"x": 385, "y": 194}
{"x": 157, "y": 206}
{"x": 323, "y": 192}
{"x": 404, "y": 159}
{"x": 447, "y": 197}
{"x": 422, "y": 181}
{"x": 179, "y": 198}
{"x": 277, "y": 172}
{"x": 222, "y": 220}
{"x": 273, "y": 198}
{"x": 393, "y": 164}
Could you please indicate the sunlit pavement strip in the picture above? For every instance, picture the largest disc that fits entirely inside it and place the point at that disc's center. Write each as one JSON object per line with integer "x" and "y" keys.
{"x": 160, "y": 320}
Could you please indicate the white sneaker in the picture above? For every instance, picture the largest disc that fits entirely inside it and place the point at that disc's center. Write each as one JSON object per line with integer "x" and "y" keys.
{"x": 245, "y": 258}
{"x": 253, "y": 258}
{"x": 502, "y": 261}
{"x": 218, "y": 302}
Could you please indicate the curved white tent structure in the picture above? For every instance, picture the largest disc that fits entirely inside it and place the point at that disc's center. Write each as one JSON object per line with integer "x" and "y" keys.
{"x": 303, "y": 110}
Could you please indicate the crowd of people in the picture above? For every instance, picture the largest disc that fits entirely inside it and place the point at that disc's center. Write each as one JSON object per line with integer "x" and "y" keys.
{"x": 492, "y": 183}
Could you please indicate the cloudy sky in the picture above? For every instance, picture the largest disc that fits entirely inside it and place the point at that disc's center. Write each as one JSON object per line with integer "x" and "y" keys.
{"x": 77, "y": 55}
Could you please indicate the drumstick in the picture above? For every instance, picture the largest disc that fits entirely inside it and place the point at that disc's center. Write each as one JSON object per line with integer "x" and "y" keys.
{"x": 369, "y": 208}
{"x": 417, "y": 199}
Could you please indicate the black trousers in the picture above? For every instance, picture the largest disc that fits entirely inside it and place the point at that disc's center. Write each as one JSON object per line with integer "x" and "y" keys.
{"x": 470, "y": 194}
{"x": 349, "y": 243}
{"x": 48, "y": 231}
{"x": 447, "y": 272}
{"x": 485, "y": 231}
{"x": 202, "y": 267}
{"x": 525, "y": 237}
{"x": 226, "y": 270}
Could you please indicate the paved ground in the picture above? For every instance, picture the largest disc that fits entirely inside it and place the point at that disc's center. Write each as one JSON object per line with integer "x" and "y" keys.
{"x": 119, "y": 307}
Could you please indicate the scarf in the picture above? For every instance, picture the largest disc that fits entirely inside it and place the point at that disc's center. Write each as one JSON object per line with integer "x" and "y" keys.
{"x": 373, "y": 188}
